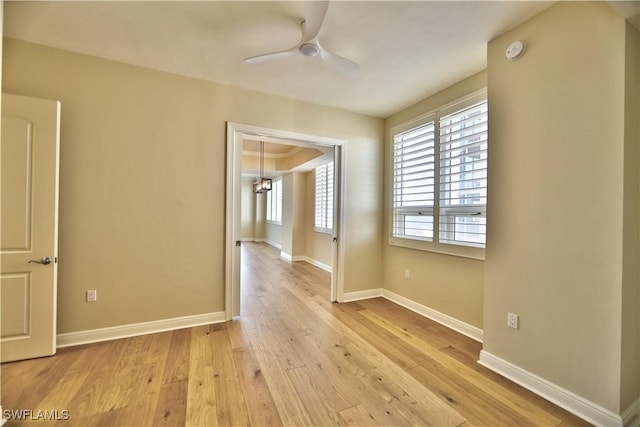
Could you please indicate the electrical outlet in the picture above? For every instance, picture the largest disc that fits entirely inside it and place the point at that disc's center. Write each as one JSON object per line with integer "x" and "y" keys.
{"x": 513, "y": 320}
{"x": 92, "y": 295}
{"x": 407, "y": 274}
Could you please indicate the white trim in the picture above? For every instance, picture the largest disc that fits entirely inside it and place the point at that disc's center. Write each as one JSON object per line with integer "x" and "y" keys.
{"x": 339, "y": 249}
{"x": 286, "y": 256}
{"x": 135, "y": 329}
{"x": 235, "y": 134}
{"x": 444, "y": 319}
{"x": 232, "y": 223}
{"x": 360, "y": 295}
{"x": 317, "y": 263}
{"x": 632, "y": 413}
{"x": 274, "y": 244}
{"x": 323, "y": 230}
{"x": 299, "y": 258}
{"x": 253, "y": 239}
{"x": 304, "y": 258}
{"x": 573, "y": 403}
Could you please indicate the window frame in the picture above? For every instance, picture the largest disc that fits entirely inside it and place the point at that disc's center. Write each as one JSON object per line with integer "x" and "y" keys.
{"x": 328, "y": 180}
{"x": 434, "y": 245}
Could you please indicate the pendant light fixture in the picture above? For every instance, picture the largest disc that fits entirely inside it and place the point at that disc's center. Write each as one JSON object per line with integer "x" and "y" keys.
{"x": 263, "y": 184}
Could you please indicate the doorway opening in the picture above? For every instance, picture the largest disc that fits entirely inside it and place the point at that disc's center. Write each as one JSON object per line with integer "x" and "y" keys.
{"x": 288, "y": 157}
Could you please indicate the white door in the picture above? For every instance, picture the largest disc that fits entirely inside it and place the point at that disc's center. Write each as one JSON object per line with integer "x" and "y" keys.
{"x": 29, "y": 216}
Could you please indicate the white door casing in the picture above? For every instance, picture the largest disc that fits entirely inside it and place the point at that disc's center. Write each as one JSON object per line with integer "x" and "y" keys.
{"x": 29, "y": 234}
{"x": 235, "y": 135}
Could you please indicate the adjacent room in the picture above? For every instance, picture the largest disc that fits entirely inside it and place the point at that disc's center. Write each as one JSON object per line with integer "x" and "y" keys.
{"x": 320, "y": 213}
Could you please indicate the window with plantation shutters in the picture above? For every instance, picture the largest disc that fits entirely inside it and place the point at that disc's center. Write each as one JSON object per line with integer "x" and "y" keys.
{"x": 439, "y": 179}
{"x": 324, "y": 198}
{"x": 274, "y": 202}
{"x": 463, "y": 149}
{"x": 414, "y": 182}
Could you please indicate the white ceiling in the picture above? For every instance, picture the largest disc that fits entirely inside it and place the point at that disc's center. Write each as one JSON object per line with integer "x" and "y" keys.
{"x": 407, "y": 49}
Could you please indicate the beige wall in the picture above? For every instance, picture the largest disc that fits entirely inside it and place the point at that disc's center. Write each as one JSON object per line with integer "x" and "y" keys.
{"x": 293, "y": 214}
{"x": 142, "y": 183}
{"x": 555, "y": 242}
{"x": 451, "y": 285}
{"x": 248, "y": 210}
{"x": 261, "y": 217}
{"x": 273, "y": 234}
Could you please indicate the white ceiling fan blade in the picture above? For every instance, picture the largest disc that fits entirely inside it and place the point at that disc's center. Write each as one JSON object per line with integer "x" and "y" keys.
{"x": 314, "y": 13}
{"x": 343, "y": 64}
{"x": 267, "y": 57}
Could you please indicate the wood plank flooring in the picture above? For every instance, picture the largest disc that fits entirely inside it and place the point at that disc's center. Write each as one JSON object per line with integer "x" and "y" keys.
{"x": 292, "y": 358}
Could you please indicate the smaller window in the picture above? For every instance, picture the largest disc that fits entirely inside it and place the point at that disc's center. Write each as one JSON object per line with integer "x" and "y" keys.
{"x": 274, "y": 202}
{"x": 324, "y": 198}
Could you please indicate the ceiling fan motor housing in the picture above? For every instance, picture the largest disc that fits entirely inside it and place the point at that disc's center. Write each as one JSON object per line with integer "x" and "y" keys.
{"x": 309, "y": 49}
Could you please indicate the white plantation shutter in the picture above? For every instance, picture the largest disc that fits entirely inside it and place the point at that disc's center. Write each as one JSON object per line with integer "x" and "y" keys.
{"x": 269, "y": 204}
{"x": 463, "y": 151}
{"x": 324, "y": 198}
{"x": 414, "y": 182}
{"x": 439, "y": 168}
{"x": 279, "y": 196}
{"x": 274, "y": 202}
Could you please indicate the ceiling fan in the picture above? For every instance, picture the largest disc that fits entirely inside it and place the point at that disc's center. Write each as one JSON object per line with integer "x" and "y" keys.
{"x": 314, "y": 14}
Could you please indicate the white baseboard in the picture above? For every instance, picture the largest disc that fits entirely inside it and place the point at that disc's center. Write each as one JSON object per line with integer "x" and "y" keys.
{"x": 305, "y": 258}
{"x": 631, "y": 417}
{"x": 292, "y": 258}
{"x": 573, "y": 403}
{"x": 444, "y": 319}
{"x": 286, "y": 256}
{"x": 274, "y": 244}
{"x": 317, "y": 263}
{"x": 124, "y": 331}
{"x": 360, "y": 295}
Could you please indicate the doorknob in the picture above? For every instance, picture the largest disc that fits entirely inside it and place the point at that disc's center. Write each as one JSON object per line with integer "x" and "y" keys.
{"x": 45, "y": 261}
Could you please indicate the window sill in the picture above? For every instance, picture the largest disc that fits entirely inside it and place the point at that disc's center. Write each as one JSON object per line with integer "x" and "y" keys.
{"x": 322, "y": 230}
{"x": 443, "y": 249}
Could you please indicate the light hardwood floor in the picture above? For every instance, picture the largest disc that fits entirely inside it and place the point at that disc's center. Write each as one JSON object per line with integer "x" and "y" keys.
{"x": 293, "y": 358}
